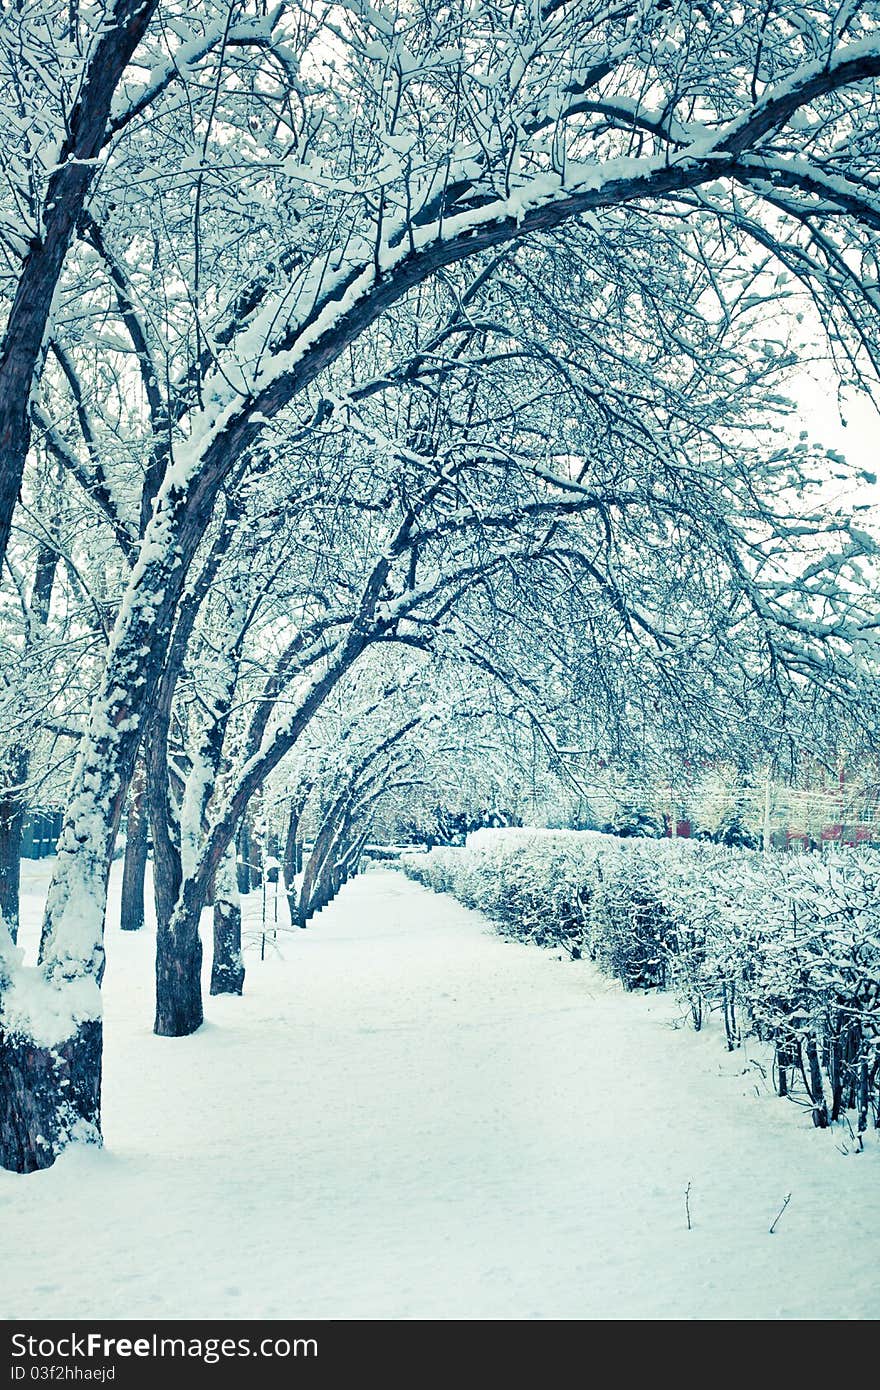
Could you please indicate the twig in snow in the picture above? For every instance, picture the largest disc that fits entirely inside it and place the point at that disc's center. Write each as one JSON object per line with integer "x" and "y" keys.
{"x": 779, "y": 1213}
{"x": 687, "y": 1205}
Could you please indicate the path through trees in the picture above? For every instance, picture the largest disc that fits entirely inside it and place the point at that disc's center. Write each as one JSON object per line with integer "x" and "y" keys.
{"x": 408, "y": 1117}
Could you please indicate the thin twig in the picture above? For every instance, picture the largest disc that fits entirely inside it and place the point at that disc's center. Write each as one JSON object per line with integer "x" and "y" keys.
{"x": 779, "y": 1213}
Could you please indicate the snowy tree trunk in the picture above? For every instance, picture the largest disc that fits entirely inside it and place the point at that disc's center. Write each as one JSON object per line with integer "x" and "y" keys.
{"x": 179, "y": 970}
{"x": 332, "y": 876}
{"x": 55, "y": 1011}
{"x": 307, "y": 903}
{"x": 272, "y": 853}
{"x": 11, "y": 821}
{"x": 179, "y": 906}
{"x": 135, "y": 865}
{"x": 178, "y": 944}
{"x": 817, "y": 1093}
{"x": 314, "y": 893}
{"x": 50, "y": 1016}
{"x": 178, "y": 947}
{"x": 227, "y": 970}
{"x": 292, "y": 863}
{"x": 51, "y": 1094}
{"x": 256, "y": 858}
{"x": 167, "y": 872}
{"x": 243, "y": 871}
{"x": 352, "y": 859}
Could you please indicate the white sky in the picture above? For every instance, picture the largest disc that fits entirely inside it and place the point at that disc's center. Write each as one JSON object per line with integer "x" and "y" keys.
{"x": 858, "y": 441}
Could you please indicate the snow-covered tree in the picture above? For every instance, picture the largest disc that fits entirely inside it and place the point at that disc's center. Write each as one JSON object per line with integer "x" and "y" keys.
{"x": 370, "y": 160}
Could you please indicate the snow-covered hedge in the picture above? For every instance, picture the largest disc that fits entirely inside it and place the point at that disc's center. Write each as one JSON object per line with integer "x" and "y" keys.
{"x": 535, "y": 884}
{"x": 785, "y": 947}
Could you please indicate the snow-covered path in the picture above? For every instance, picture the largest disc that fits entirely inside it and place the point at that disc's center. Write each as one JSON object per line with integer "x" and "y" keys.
{"x": 408, "y": 1117}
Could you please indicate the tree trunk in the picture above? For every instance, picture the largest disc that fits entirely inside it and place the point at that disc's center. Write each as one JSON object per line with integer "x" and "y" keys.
{"x": 291, "y": 864}
{"x": 306, "y": 904}
{"x": 272, "y": 854}
{"x": 179, "y": 975}
{"x": 817, "y": 1094}
{"x": 51, "y": 1090}
{"x": 135, "y": 866}
{"x": 11, "y": 820}
{"x": 782, "y": 1064}
{"x": 243, "y": 866}
{"x": 255, "y": 842}
{"x": 227, "y": 969}
{"x": 12, "y": 813}
{"x": 167, "y": 873}
{"x": 312, "y": 897}
{"x": 50, "y": 1096}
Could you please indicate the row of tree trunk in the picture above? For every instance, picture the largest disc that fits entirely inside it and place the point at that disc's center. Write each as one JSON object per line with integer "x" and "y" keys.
{"x": 73, "y": 1069}
{"x": 309, "y": 884}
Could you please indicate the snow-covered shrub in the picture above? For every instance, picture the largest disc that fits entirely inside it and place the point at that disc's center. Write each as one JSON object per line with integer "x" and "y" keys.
{"x": 654, "y": 910}
{"x": 629, "y": 922}
{"x": 698, "y": 882}
{"x": 814, "y": 982}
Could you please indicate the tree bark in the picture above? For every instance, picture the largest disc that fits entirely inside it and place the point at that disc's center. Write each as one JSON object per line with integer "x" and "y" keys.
{"x": 307, "y": 902}
{"x": 179, "y": 975}
{"x": 817, "y": 1093}
{"x": 49, "y": 1096}
{"x": 11, "y": 820}
{"x": 243, "y": 868}
{"x": 315, "y": 892}
{"x": 227, "y": 969}
{"x": 167, "y": 872}
{"x": 135, "y": 866}
{"x": 272, "y": 853}
{"x": 255, "y": 872}
{"x": 291, "y": 863}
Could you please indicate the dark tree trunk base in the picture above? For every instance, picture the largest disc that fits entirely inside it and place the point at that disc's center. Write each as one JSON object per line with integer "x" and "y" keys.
{"x": 227, "y": 968}
{"x": 49, "y": 1098}
{"x": 178, "y": 983}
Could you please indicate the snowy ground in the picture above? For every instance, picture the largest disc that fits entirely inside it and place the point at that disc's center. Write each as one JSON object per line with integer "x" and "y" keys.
{"x": 408, "y": 1117}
